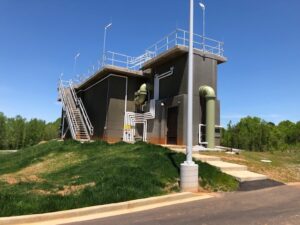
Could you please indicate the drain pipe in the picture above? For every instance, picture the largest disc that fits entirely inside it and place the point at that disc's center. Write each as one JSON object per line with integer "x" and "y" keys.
{"x": 141, "y": 94}
{"x": 210, "y": 96}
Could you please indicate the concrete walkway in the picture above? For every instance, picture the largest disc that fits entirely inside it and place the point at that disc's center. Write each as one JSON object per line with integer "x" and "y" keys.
{"x": 240, "y": 172}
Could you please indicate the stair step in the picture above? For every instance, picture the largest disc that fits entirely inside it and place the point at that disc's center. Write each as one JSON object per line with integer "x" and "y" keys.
{"x": 243, "y": 176}
{"x": 225, "y": 166}
{"x": 206, "y": 158}
{"x": 240, "y": 172}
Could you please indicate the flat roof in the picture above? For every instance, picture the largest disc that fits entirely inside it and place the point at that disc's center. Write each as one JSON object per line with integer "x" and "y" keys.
{"x": 106, "y": 70}
{"x": 159, "y": 59}
{"x": 177, "y": 51}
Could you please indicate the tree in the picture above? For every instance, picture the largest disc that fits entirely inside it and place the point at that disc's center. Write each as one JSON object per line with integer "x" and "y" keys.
{"x": 3, "y": 131}
{"x": 35, "y": 132}
{"x": 255, "y": 134}
{"x": 52, "y": 130}
{"x": 17, "y": 132}
{"x": 288, "y": 131}
{"x": 297, "y": 132}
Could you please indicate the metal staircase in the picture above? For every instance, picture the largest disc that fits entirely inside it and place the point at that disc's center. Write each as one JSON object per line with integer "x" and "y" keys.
{"x": 132, "y": 118}
{"x": 78, "y": 121}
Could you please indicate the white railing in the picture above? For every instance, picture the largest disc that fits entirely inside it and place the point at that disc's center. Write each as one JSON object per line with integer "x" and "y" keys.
{"x": 178, "y": 37}
{"x": 79, "y": 103}
{"x": 128, "y": 62}
{"x": 67, "y": 107}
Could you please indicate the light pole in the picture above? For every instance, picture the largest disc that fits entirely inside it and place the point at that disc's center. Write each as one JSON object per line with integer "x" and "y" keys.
{"x": 188, "y": 169}
{"x": 203, "y": 26}
{"x": 75, "y": 62}
{"x": 104, "y": 43}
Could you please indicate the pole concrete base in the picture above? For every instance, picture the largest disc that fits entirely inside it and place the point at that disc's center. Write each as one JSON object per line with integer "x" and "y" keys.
{"x": 189, "y": 177}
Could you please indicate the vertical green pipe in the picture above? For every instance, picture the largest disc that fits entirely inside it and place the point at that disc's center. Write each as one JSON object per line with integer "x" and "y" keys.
{"x": 210, "y": 122}
{"x": 210, "y": 96}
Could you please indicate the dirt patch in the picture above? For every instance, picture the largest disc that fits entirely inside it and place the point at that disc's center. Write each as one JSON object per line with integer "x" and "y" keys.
{"x": 10, "y": 180}
{"x": 49, "y": 164}
{"x": 234, "y": 158}
{"x": 74, "y": 189}
{"x": 280, "y": 174}
{"x": 31, "y": 178}
{"x": 67, "y": 190}
{"x": 15, "y": 179}
{"x": 41, "y": 192}
{"x": 172, "y": 187}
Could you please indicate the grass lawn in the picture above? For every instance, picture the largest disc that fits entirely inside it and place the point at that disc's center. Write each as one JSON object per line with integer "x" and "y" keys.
{"x": 65, "y": 175}
{"x": 285, "y": 166}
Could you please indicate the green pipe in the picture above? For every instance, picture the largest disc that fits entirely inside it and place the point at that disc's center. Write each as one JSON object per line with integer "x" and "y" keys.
{"x": 141, "y": 94}
{"x": 210, "y": 96}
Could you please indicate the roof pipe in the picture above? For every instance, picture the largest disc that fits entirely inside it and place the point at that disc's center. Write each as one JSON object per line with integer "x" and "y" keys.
{"x": 141, "y": 94}
{"x": 210, "y": 96}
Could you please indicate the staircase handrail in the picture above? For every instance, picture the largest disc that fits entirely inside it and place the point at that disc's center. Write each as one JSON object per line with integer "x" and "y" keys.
{"x": 86, "y": 117}
{"x": 66, "y": 103}
{"x": 79, "y": 103}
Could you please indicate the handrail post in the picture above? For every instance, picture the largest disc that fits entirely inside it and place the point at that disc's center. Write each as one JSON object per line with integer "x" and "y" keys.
{"x": 168, "y": 43}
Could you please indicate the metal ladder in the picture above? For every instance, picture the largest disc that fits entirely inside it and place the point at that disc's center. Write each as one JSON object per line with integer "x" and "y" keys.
{"x": 79, "y": 123}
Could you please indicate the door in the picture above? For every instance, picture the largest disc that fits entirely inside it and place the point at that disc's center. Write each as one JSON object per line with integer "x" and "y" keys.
{"x": 139, "y": 132}
{"x": 172, "y": 125}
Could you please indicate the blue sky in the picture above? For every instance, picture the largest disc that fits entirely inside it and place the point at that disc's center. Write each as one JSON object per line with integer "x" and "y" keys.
{"x": 39, "y": 40}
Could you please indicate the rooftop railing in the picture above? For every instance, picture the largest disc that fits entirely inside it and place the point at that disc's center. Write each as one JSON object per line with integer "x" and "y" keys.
{"x": 181, "y": 37}
{"x": 128, "y": 62}
{"x": 178, "y": 37}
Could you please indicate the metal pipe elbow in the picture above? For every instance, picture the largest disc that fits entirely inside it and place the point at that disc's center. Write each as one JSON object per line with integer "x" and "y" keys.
{"x": 207, "y": 91}
{"x": 141, "y": 94}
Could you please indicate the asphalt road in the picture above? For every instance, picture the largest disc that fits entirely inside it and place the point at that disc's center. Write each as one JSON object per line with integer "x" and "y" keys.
{"x": 279, "y": 205}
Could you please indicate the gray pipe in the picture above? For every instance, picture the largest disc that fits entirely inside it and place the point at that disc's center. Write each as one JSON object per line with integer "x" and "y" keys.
{"x": 210, "y": 96}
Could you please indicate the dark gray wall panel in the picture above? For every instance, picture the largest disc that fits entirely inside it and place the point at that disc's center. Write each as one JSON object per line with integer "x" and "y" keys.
{"x": 95, "y": 103}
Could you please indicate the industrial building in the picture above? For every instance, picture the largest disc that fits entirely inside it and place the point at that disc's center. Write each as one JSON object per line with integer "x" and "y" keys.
{"x": 144, "y": 98}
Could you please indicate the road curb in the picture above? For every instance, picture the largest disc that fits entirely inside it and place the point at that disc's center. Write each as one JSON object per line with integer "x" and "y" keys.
{"x": 48, "y": 217}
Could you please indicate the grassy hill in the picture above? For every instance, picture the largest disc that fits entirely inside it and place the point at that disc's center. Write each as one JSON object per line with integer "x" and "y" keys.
{"x": 65, "y": 175}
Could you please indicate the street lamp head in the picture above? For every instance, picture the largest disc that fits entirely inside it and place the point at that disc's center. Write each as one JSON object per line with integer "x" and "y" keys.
{"x": 109, "y": 25}
{"x": 202, "y": 5}
{"x": 76, "y": 56}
